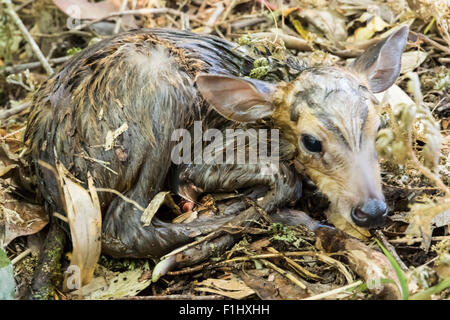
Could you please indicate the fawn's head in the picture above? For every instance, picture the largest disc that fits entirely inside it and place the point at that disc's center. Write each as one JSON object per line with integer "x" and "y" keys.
{"x": 330, "y": 115}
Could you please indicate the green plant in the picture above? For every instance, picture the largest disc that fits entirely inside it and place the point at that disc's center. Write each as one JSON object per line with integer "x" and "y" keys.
{"x": 73, "y": 51}
{"x": 398, "y": 271}
{"x": 404, "y": 289}
{"x": 7, "y": 283}
{"x": 426, "y": 294}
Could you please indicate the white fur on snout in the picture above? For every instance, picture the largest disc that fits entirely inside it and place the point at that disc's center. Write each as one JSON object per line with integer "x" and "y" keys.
{"x": 365, "y": 179}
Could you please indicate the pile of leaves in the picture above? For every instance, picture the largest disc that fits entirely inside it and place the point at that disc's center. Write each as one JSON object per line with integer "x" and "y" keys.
{"x": 272, "y": 261}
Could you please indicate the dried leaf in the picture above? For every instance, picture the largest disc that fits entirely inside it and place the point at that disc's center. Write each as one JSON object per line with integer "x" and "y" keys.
{"x": 82, "y": 9}
{"x": 84, "y": 215}
{"x": 95, "y": 285}
{"x": 272, "y": 286}
{"x": 287, "y": 11}
{"x": 125, "y": 284}
{"x": 330, "y": 22}
{"x": 301, "y": 31}
{"x": 21, "y": 219}
{"x": 442, "y": 262}
{"x": 186, "y": 217}
{"x": 5, "y": 169}
{"x": 395, "y": 97}
{"x": 375, "y": 24}
{"x": 112, "y": 135}
{"x": 369, "y": 264}
{"x": 232, "y": 288}
{"x": 411, "y": 60}
{"x": 6, "y": 155}
{"x": 259, "y": 244}
{"x": 161, "y": 198}
{"x": 422, "y": 216}
{"x": 441, "y": 219}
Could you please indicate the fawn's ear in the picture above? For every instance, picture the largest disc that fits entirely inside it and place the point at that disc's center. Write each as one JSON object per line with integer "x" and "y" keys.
{"x": 237, "y": 99}
{"x": 380, "y": 64}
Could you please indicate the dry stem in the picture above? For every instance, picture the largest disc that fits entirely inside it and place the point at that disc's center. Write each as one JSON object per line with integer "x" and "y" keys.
{"x": 10, "y": 11}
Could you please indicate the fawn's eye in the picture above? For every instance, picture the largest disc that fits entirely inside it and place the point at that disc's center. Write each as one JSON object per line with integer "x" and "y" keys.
{"x": 311, "y": 143}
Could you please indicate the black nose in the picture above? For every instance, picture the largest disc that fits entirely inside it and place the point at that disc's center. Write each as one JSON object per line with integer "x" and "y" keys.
{"x": 371, "y": 214}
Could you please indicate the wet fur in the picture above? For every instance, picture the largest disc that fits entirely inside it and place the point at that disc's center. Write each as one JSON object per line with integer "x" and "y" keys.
{"x": 146, "y": 79}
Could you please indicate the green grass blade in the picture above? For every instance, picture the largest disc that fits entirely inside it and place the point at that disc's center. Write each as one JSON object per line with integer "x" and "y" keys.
{"x": 426, "y": 294}
{"x": 398, "y": 271}
{"x": 365, "y": 286}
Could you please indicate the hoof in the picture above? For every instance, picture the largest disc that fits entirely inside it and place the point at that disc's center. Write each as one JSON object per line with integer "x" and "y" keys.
{"x": 163, "y": 267}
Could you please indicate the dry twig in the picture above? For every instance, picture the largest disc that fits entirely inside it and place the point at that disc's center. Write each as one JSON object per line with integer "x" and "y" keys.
{"x": 391, "y": 249}
{"x": 335, "y": 291}
{"x": 123, "y": 6}
{"x": 137, "y": 12}
{"x": 31, "y": 65}
{"x": 4, "y": 114}
{"x": 10, "y": 11}
{"x": 430, "y": 41}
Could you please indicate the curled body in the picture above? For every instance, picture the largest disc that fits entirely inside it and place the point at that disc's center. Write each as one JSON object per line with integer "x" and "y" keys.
{"x": 158, "y": 81}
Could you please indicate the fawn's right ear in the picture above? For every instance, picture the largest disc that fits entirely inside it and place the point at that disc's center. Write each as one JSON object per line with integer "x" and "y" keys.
{"x": 381, "y": 63}
{"x": 237, "y": 99}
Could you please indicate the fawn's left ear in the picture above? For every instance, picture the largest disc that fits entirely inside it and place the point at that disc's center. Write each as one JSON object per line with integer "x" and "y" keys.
{"x": 381, "y": 63}
{"x": 237, "y": 99}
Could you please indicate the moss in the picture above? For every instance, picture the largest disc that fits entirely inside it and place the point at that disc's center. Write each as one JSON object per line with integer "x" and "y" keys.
{"x": 73, "y": 51}
{"x": 245, "y": 40}
{"x": 4, "y": 261}
{"x": 282, "y": 233}
{"x": 443, "y": 81}
{"x": 287, "y": 234}
{"x": 259, "y": 73}
{"x": 121, "y": 265}
{"x": 261, "y": 67}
